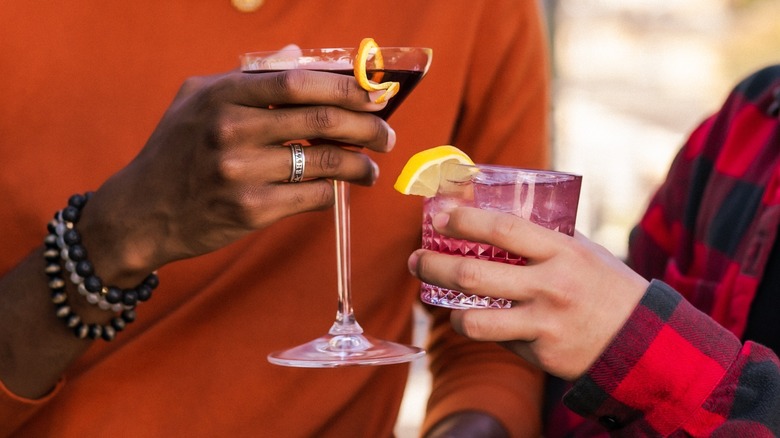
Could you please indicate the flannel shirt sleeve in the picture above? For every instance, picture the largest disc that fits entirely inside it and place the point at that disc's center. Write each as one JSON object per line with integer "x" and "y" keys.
{"x": 673, "y": 371}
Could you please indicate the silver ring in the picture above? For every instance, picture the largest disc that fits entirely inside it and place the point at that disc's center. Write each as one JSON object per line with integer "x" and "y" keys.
{"x": 298, "y": 162}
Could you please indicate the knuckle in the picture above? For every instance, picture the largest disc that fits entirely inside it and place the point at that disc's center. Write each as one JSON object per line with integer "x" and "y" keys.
{"x": 575, "y": 250}
{"x": 345, "y": 88}
{"x": 289, "y": 82}
{"x": 229, "y": 168}
{"x": 561, "y": 291}
{"x": 323, "y": 195}
{"x": 504, "y": 228}
{"x": 249, "y": 208}
{"x": 299, "y": 201}
{"x": 192, "y": 84}
{"x": 564, "y": 291}
{"x": 471, "y": 326}
{"x": 218, "y": 120}
{"x": 317, "y": 195}
{"x": 467, "y": 275}
{"x": 322, "y": 119}
{"x": 280, "y": 118}
{"x": 330, "y": 159}
{"x": 423, "y": 266}
{"x": 225, "y": 130}
{"x": 208, "y": 91}
{"x": 379, "y": 132}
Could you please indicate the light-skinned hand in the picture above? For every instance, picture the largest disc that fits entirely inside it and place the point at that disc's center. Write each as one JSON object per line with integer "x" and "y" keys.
{"x": 570, "y": 299}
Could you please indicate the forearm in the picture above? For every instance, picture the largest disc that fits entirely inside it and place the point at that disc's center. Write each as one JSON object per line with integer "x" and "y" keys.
{"x": 47, "y": 321}
{"x": 36, "y": 347}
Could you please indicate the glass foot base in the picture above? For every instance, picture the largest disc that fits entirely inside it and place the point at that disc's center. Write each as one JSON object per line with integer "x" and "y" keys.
{"x": 332, "y": 351}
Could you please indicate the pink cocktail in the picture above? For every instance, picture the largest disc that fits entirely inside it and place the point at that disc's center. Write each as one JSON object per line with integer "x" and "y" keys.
{"x": 546, "y": 198}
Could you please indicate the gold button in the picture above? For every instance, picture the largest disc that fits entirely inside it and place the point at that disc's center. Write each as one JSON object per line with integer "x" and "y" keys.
{"x": 247, "y": 5}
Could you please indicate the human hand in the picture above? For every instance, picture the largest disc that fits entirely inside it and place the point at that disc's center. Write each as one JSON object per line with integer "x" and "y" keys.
{"x": 570, "y": 299}
{"x": 214, "y": 169}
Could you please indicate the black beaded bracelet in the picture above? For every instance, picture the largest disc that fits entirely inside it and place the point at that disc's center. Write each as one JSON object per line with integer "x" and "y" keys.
{"x": 63, "y": 310}
{"x": 63, "y": 244}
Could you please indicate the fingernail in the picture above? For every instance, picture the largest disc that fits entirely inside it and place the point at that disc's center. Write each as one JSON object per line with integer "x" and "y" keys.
{"x": 440, "y": 220}
{"x": 375, "y": 169}
{"x": 378, "y": 96}
{"x": 390, "y": 138}
{"x": 382, "y": 96}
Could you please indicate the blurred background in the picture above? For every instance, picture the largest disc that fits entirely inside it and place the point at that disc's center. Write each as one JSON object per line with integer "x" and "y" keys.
{"x": 631, "y": 79}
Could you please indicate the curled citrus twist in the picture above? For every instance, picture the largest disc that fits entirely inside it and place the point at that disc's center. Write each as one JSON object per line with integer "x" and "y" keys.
{"x": 366, "y": 48}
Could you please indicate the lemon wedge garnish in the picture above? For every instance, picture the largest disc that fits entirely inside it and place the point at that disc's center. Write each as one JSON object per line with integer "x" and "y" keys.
{"x": 367, "y": 47}
{"x": 420, "y": 175}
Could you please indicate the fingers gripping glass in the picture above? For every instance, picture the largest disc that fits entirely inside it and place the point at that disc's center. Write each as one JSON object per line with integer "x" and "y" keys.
{"x": 345, "y": 344}
{"x": 546, "y": 198}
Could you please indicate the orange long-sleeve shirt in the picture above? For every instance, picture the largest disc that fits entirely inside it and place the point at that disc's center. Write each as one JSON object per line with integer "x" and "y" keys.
{"x": 84, "y": 83}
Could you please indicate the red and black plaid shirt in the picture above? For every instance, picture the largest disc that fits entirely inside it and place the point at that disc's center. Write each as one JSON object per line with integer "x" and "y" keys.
{"x": 675, "y": 369}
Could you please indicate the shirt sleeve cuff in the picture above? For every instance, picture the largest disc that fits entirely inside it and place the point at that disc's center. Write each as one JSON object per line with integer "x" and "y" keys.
{"x": 660, "y": 368}
{"x": 16, "y": 409}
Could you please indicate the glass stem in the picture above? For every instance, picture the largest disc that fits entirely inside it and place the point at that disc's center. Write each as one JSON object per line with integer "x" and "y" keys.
{"x": 345, "y": 317}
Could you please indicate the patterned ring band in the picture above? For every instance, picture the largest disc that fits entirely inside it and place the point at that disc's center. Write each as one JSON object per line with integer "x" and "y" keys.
{"x": 298, "y": 162}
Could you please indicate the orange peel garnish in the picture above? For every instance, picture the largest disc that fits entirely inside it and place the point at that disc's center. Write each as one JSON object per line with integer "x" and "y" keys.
{"x": 366, "y": 48}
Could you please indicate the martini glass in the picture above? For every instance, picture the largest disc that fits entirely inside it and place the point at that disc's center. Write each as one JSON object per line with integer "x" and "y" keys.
{"x": 345, "y": 343}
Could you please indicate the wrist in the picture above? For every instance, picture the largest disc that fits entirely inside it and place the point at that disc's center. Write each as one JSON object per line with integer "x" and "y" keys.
{"x": 119, "y": 249}
{"x": 68, "y": 263}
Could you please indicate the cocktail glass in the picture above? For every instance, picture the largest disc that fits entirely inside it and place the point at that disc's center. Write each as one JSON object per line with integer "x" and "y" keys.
{"x": 345, "y": 344}
{"x": 546, "y": 198}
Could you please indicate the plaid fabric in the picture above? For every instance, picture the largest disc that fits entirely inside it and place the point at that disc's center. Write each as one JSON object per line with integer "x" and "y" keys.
{"x": 673, "y": 371}
{"x": 707, "y": 234}
{"x": 710, "y": 228}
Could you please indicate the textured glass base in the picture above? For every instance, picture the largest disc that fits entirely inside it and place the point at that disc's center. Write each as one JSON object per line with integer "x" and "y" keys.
{"x": 332, "y": 351}
{"x": 439, "y": 296}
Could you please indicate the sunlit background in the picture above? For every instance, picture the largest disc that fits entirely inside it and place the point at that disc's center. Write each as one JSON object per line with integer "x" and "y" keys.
{"x": 631, "y": 79}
